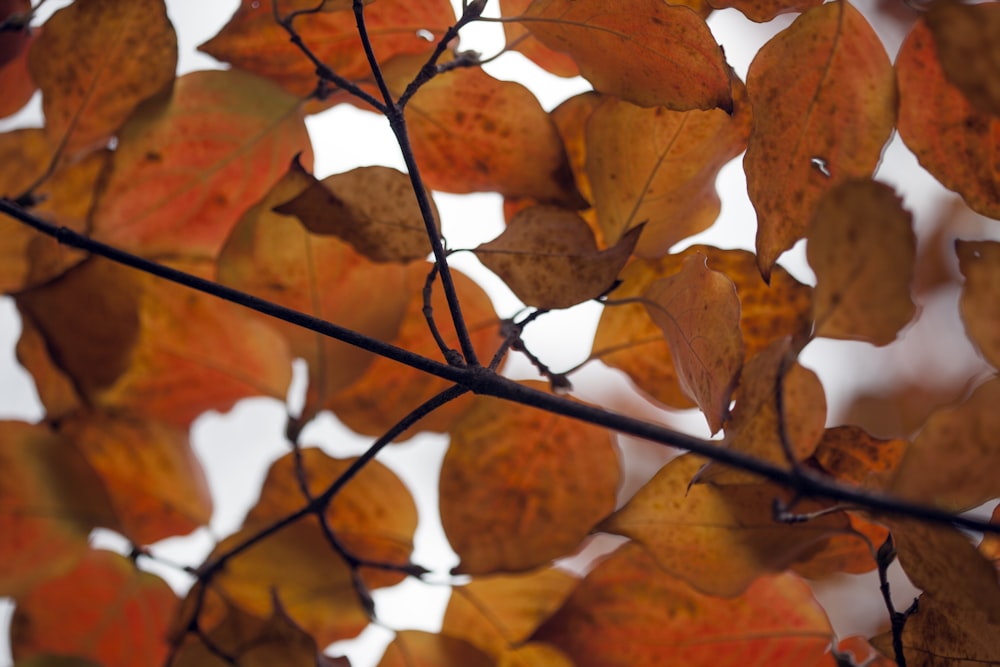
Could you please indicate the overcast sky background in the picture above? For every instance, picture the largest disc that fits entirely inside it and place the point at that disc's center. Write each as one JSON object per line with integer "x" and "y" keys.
{"x": 237, "y": 447}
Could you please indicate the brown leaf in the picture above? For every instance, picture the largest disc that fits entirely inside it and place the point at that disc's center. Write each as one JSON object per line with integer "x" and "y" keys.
{"x": 659, "y": 167}
{"x": 15, "y": 79}
{"x": 549, "y": 258}
{"x": 187, "y": 165}
{"x": 630, "y": 613}
{"x": 862, "y": 248}
{"x": 952, "y": 140}
{"x": 980, "y": 301}
{"x": 520, "y": 487}
{"x": 682, "y": 65}
{"x": 851, "y": 551}
{"x": 95, "y": 62}
{"x": 968, "y": 50}
{"x": 852, "y": 455}
{"x": 521, "y": 40}
{"x": 717, "y": 539}
{"x": 413, "y": 648}
{"x": 699, "y": 313}
{"x": 763, "y": 11}
{"x": 824, "y": 104}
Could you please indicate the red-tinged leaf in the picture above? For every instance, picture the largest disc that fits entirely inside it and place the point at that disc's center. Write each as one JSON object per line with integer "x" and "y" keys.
{"x": 388, "y": 391}
{"x": 658, "y": 167}
{"x": 699, "y": 313}
{"x": 980, "y": 301}
{"x": 254, "y": 42}
{"x": 55, "y": 661}
{"x": 717, "y": 539}
{"x": 755, "y": 427}
{"x": 104, "y": 610}
{"x": 629, "y": 613}
{"x": 968, "y": 50}
{"x": 372, "y": 208}
{"x": 862, "y": 248}
{"x": 549, "y": 258}
{"x": 824, "y": 104}
{"x": 646, "y": 52}
{"x": 473, "y": 133}
{"x": 852, "y": 455}
{"x": 851, "y": 551}
{"x": 15, "y": 14}
{"x": 952, "y": 139}
{"x": 154, "y": 348}
{"x": 373, "y": 516}
{"x": 298, "y": 567}
{"x": 95, "y": 62}
{"x": 522, "y": 41}
{"x": 187, "y": 165}
{"x": 943, "y": 563}
{"x": 571, "y": 119}
{"x": 942, "y": 635}
{"x": 954, "y": 441}
{"x": 413, "y": 648}
{"x": 499, "y": 613}
{"x": 628, "y": 339}
{"x": 50, "y": 498}
{"x": 763, "y": 11}
{"x": 155, "y": 483}
{"x": 275, "y": 258}
{"x": 15, "y": 79}
{"x": 520, "y": 486}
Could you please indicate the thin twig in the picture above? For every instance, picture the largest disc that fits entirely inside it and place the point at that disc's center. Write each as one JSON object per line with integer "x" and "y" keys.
{"x": 897, "y": 619}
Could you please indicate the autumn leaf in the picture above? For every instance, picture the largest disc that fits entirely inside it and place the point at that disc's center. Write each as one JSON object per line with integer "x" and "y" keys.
{"x": 630, "y": 613}
{"x": 572, "y": 118}
{"x": 520, "y": 487}
{"x": 413, "y": 648}
{"x": 521, "y": 40}
{"x": 549, "y": 258}
{"x": 824, "y": 104}
{"x": 852, "y": 455}
{"x": 15, "y": 79}
{"x": 966, "y": 45}
{"x": 980, "y": 300}
{"x": 95, "y": 62}
{"x": 763, "y": 11}
{"x": 105, "y": 610}
{"x": 645, "y": 52}
{"x": 699, "y": 313}
{"x": 951, "y": 139}
{"x": 862, "y": 248}
{"x": 187, "y": 165}
{"x": 849, "y": 551}
{"x": 659, "y": 167}
{"x": 717, "y": 539}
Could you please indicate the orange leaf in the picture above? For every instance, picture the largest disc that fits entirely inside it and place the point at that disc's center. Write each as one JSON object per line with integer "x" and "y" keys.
{"x": 156, "y": 485}
{"x": 824, "y": 104}
{"x": 50, "y": 498}
{"x": 699, "y": 313}
{"x": 413, "y": 648}
{"x": 717, "y": 539}
{"x": 852, "y": 455}
{"x": 549, "y": 258}
{"x": 658, "y": 167}
{"x": 851, "y": 551}
{"x": 15, "y": 80}
{"x": 105, "y": 610}
{"x": 187, "y": 165}
{"x": 533, "y": 654}
{"x": 953, "y": 442}
{"x": 519, "y": 39}
{"x": 520, "y": 487}
{"x": 499, "y": 613}
{"x": 374, "y": 515}
{"x": 571, "y": 119}
{"x": 763, "y": 11}
{"x": 254, "y": 42}
{"x": 372, "y": 208}
{"x": 968, "y": 49}
{"x": 980, "y": 301}
{"x": 950, "y": 138}
{"x": 387, "y": 391}
{"x": 629, "y": 613}
{"x": 95, "y": 62}
{"x": 682, "y": 67}
{"x": 862, "y": 248}
{"x": 473, "y": 133}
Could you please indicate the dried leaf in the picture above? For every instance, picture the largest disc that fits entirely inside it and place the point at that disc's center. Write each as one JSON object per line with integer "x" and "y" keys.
{"x": 717, "y": 539}
{"x": 95, "y": 62}
{"x": 629, "y": 613}
{"x": 968, "y": 50}
{"x": 852, "y": 455}
{"x": 413, "y": 648}
{"x": 682, "y": 67}
{"x": 824, "y": 103}
{"x": 980, "y": 301}
{"x": 187, "y": 165}
{"x": 15, "y": 79}
{"x": 956, "y": 143}
{"x": 763, "y": 11}
{"x": 519, "y": 39}
{"x": 549, "y": 258}
{"x": 572, "y": 118}
{"x": 658, "y": 167}
{"x": 520, "y": 486}
{"x": 862, "y": 248}
{"x": 699, "y": 313}
{"x": 851, "y": 551}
